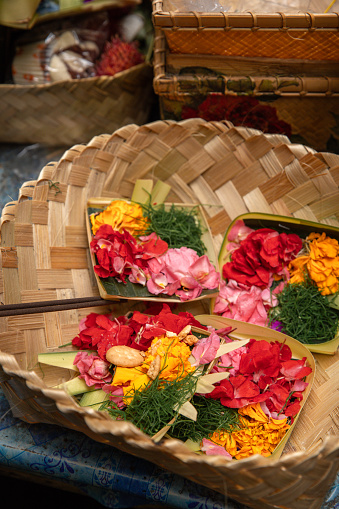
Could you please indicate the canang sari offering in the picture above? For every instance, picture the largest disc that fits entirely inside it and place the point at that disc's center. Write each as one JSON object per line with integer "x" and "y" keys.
{"x": 222, "y": 387}
{"x": 282, "y": 273}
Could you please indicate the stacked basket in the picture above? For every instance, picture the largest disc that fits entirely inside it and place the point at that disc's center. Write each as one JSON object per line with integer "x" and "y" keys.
{"x": 288, "y": 62}
{"x": 45, "y": 257}
{"x": 74, "y": 110}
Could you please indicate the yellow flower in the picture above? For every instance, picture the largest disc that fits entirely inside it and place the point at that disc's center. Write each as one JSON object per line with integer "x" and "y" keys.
{"x": 258, "y": 434}
{"x": 174, "y": 364}
{"x": 121, "y": 215}
{"x": 174, "y": 357}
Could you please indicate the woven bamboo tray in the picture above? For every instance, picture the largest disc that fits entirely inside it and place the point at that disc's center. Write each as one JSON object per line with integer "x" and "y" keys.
{"x": 309, "y": 104}
{"x": 73, "y": 111}
{"x": 228, "y": 170}
{"x": 279, "y": 35}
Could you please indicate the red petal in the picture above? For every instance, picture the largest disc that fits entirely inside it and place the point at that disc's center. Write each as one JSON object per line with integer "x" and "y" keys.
{"x": 295, "y": 369}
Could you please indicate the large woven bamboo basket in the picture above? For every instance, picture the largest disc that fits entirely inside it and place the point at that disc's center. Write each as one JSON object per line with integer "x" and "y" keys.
{"x": 280, "y": 35}
{"x": 308, "y": 103}
{"x": 228, "y": 170}
{"x": 73, "y": 111}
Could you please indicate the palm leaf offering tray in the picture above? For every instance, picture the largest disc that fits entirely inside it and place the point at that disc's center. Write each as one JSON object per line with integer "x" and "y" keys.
{"x": 145, "y": 249}
{"x": 271, "y": 437}
{"x": 282, "y": 273}
{"x": 227, "y": 390}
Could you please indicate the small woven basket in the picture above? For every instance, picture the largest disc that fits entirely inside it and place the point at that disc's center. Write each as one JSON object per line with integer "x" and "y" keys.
{"x": 248, "y": 34}
{"x": 73, "y": 111}
{"x": 309, "y": 104}
{"x": 228, "y": 170}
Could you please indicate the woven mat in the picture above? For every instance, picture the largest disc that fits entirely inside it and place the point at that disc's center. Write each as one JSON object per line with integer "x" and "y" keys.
{"x": 230, "y": 171}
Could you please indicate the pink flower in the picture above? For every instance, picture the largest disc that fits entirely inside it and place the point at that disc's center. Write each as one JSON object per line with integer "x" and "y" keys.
{"x": 204, "y": 272}
{"x": 177, "y": 262}
{"x": 93, "y": 369}
{"x": 189, "y": 294}
{"x": 211, "y": 448}
{"x": 116, "y": 394}
{"x": 237, "y": 233}
{"x": 138, "y": 276}
{"x": 206, "y": 349}
{"x": 182, "y": 272}
{"x": 158, "y": 283}
{"x": 231, "y": 359}
{"x": 240, "y": 302}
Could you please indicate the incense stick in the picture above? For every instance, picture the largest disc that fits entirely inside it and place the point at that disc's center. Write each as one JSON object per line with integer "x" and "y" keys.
{"x": 51, "y": 305}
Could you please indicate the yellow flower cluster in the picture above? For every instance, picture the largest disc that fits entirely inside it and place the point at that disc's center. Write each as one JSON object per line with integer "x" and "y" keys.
{"x": 322, "y": 264}
{"x": 174, "y": 364}
{"x": 258, "y": 434}
{"x": 121, "y": 215}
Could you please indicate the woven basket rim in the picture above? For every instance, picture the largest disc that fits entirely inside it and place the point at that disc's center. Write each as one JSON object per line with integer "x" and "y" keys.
{"x": 245, "y": 20}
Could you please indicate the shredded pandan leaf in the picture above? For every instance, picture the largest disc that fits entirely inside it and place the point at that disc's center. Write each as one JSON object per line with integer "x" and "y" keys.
{"x": 212, "y": 416}
{"x": 178, "y": 226}
{"x": 305, "y": 314}
{"x": 153, "y": 406}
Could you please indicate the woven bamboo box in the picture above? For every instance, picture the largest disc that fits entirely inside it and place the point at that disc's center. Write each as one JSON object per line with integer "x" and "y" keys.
{"x": 304, "y": 104}
{"x": 45, "y": 257}
{"x": 277, "y": 35}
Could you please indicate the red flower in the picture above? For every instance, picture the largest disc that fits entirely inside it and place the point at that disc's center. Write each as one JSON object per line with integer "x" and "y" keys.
{"x": 238, "y": 391}
{"x": 117, "y": 253}
{"x": 295, "y": 369}
{"x": 101, "y": 333}
{"x": 267, "y": 374}
{"x": 152, "y": 246}
{"x": 240, "y": 110}
{"x": 118, "y": 56}
{"x": 146, "y": 328}
{"x": 263, "y": 253}
{"x": 262, "y": 358}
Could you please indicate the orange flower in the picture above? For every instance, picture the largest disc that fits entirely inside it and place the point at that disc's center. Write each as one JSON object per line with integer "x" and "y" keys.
{"x": 258, "y": 434}
{"x": 322, "y": 263}
{"x": 121, "y": 215}
{"x": 174, "y": 364}
{"x": 297, "y": 268}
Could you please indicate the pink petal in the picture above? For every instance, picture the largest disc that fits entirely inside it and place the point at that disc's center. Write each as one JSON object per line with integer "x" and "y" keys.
{"x": 206, "y": 348}
{"x": 238, "y": 232}
{"x": 210, "y": 448}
